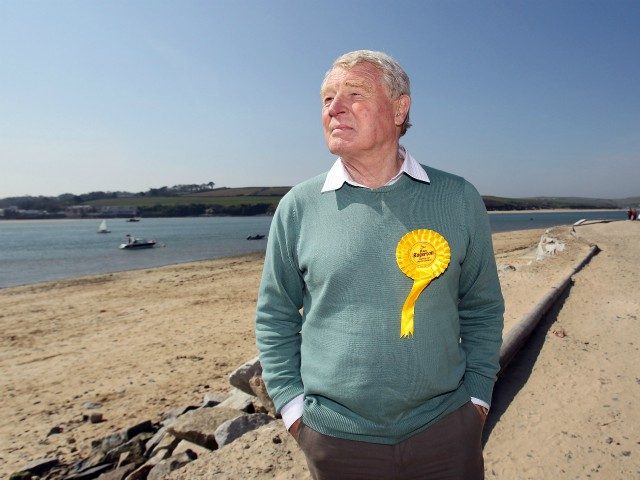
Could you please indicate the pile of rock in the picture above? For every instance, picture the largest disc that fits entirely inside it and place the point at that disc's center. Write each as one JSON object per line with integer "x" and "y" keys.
{"x": 149, "y": 451}
{"x": 548, "y": 246}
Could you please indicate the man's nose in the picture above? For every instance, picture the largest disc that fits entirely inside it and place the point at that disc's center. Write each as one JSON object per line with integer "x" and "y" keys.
{"x": 337, "y": 106}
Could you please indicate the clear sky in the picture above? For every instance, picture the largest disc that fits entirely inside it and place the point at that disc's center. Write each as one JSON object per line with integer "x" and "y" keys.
{"x": 523, "y": 98}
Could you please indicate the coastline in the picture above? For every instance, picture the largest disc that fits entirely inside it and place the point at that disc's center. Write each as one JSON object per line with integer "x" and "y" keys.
{"x": 556, "y": 210}
{"x": 145, "y": 341}
{"x": 94, "y": 219}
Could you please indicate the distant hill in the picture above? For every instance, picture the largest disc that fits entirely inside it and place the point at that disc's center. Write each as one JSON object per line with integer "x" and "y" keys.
{"x": 244, "y": 192}
{"x": 536, "y": 203}
{"x": 204, "y": 199}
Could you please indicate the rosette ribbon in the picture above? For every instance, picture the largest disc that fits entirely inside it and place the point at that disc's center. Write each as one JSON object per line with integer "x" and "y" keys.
{"x": 421, "y": 255}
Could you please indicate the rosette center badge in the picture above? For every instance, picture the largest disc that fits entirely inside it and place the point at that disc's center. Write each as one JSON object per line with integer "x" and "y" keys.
{"x": 421, "y": 255}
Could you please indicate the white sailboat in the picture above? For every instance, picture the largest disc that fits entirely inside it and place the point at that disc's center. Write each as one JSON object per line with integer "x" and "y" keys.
{"x": 103, "y": 227}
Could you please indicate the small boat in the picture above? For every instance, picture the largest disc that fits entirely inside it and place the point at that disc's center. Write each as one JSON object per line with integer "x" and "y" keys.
{"x": 133, "y": 219}
{"x": 137, "y": 243}
{"x": 255, "y": 237}
{"x": 103, "y": 227}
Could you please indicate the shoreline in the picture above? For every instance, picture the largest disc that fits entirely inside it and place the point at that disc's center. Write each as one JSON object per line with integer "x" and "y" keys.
{"x": 557, "y": 210}
{"x": 93, "y": 219}
{"x": 90, "y": 276}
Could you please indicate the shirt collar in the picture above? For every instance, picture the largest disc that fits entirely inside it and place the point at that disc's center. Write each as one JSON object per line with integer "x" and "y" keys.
{"x": 338, "y": 175}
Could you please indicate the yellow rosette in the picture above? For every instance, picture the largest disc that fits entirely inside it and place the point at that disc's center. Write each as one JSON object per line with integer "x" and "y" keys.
{"x": 421, "y": 255}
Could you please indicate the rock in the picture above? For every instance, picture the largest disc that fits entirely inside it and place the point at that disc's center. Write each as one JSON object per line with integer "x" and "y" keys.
{"x": 235, "y": 428}
{"x": 199, "y": 426}
{"x": 143, "y": 427}
{"x": 36, "y": 468}
{"x": 91, "y": 406}
{"x": 134, "y": 447}
{"x": 97, "y": 458}
{"x": 254, "y": 456}
{"x": 560, "y": 333}
{"x": 239, "y": 400}
{"x": 165, "y": 467}
{"x": 105, "y": 444}
{"x": 90, "y": 473}
{"x": 141, "y": 472}
{"x": 20, "y": 476}
{"x": 260, "y": 391}
{"x": 55, "y": 430}
{"x": 42, "y": 465}
{"x": 162, "y": 439}
{"x": 548, "y": 246}
{"x": 168, "y": 417}
{"x": 211, "y": 399}
{"x": 185, "y": 445}
{"x": 240, "y": 377}
{"x": 124, "y": 459}
{"x": 115, "y": 439}
{"x": 118, "y": 474}
{"x": 95, "y": 417}
{"x": 505, "y": 267}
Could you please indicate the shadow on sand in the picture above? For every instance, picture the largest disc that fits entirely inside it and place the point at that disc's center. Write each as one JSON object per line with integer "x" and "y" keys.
{"x": 516, "y": 374}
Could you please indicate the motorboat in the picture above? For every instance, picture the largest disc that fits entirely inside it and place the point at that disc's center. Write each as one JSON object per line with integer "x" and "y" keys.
{"x": 137, "y": 243}
{"x": 255, "y": 237}
{"x": 133, "y": 219}
{"x": 103, "y": 227}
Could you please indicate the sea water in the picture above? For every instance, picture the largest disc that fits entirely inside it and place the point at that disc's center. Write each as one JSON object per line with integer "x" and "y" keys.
{"x": 39, "y": 250}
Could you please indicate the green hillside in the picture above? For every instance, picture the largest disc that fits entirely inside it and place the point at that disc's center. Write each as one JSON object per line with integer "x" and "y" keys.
{"x": 244, "y": 192}
{"x": 194, "y": 200}
{"x": 538, "y": 203}
{"x": 225, "y": 201}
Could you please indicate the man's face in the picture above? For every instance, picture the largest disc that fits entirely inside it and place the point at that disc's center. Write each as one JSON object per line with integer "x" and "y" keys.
{"x": 358, "y": 116}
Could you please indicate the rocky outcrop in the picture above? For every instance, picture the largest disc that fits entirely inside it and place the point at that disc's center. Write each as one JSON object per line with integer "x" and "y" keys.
{"x": 548, "y": 246}
{"x": 233, "y": 429}
{"x": 241, "y": 376}
{"x": 151, "y": 450}
{"x": 199, "y": 426}
{"x": 36, "y": 468}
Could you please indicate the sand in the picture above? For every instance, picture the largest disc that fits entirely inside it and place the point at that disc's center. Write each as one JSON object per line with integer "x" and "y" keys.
{"x": 143, "y": 342}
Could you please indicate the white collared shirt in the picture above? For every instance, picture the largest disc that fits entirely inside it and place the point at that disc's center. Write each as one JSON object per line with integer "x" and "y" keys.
{"x": 338, "y": 175}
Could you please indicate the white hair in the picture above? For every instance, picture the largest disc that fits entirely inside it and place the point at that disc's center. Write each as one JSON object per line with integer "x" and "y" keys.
{"x": 393, "y": 75}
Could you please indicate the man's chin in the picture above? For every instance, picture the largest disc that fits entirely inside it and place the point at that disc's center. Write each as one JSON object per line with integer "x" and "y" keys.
{"x": 338, "y": 147}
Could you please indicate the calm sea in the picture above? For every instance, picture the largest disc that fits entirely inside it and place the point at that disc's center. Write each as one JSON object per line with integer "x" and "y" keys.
{"x": 39, "y": 250}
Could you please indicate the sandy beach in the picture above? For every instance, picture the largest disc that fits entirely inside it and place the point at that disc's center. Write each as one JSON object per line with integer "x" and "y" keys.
{"x": 143, "y": 342}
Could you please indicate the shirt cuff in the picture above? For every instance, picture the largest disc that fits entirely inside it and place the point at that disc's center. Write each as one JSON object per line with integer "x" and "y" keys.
{"x": 477, "y": 401}
{"x": 292, "y": 411}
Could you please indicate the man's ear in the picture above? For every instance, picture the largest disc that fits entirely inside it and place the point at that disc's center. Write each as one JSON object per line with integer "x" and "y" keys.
{"x": 402, "y": 105}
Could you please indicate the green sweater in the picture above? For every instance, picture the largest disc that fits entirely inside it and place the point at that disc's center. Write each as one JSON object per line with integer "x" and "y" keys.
{"x": 331, "y": 297}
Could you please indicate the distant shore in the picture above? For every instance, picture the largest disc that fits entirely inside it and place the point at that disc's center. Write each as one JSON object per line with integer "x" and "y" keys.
{"x": 558, "y": 210}
{"x": 99, "y": 217}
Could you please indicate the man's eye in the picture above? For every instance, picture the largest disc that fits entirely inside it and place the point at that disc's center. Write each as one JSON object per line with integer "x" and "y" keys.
{"x": 327, "y": 100}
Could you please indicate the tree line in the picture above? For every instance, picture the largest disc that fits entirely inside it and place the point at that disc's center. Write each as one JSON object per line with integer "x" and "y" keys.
{"x": 56, "y": 204}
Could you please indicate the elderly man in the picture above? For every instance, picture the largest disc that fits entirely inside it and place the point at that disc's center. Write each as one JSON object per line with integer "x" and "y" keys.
{"x": 379, "y": 316}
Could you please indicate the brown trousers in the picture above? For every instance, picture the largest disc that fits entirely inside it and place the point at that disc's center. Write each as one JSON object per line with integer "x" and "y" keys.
{"x": 449, "y": 449}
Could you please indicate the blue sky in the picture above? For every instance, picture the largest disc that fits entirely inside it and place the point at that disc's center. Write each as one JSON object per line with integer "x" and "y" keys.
{"x": 521, "y": 98}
